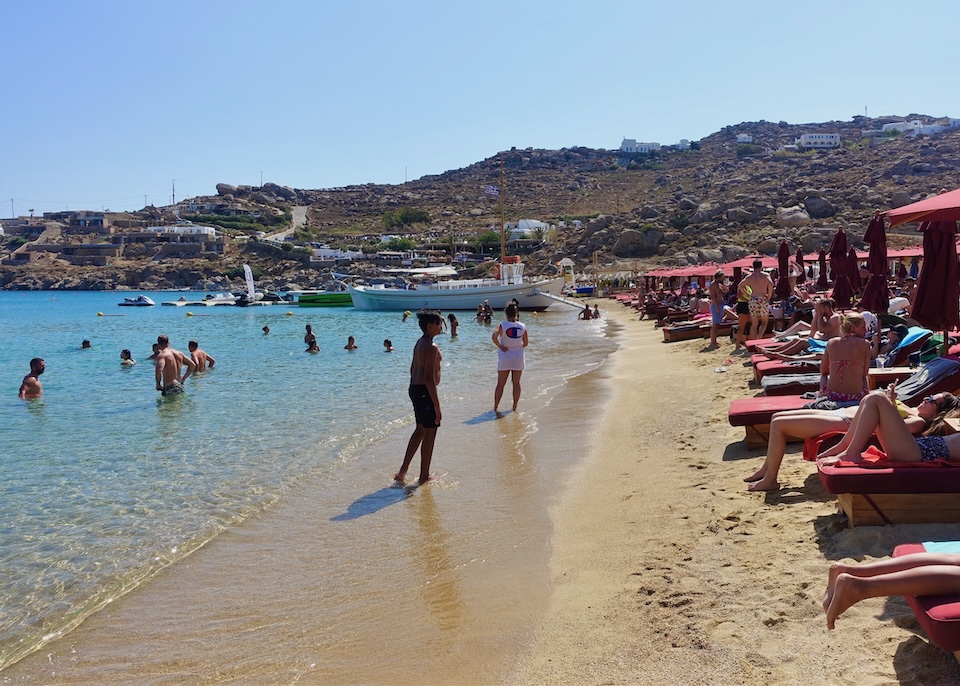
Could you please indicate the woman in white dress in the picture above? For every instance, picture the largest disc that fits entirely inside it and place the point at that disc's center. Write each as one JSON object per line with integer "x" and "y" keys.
{"x": 510, "y": 338}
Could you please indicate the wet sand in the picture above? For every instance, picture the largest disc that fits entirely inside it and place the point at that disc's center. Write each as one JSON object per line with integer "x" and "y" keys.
{"x": 643, "y": 560}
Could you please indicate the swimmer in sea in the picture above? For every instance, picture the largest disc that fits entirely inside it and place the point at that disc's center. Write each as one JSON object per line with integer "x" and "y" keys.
{"x": 424, "y": 378}
{"x": 387, "y": 345}
{"x": 30, "y": 386}
{"x": 351, "y": 344}
{"x": 126, "y": 359}
{"x": 169, "y": 364}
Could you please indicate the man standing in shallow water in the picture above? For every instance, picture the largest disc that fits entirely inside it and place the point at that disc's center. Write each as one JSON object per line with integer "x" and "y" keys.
{"x": 424, "y": 378}
{"x": 30, "y": 387}
{"x": 168, "y": 366}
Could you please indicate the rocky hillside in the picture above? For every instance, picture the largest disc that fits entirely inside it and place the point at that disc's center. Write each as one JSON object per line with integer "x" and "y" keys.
{"x": 718, "y": 201}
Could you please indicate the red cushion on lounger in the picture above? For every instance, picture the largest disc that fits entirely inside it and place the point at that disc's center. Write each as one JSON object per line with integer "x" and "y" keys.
{"x": 904, "y": 478}
{"x": 939, "y": 615}
{"x": 759, "y": 410}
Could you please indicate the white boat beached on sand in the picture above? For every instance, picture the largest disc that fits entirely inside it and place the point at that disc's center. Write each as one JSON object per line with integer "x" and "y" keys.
{"x": 465, "y": 294}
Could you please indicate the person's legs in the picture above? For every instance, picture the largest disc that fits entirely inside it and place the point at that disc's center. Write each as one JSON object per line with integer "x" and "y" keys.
{"x": 742, "y": 321}
{"x": 877, "y": 413}
{"x": 415, "y": 440}
{"x": 426, "y": 454}
{"x": 802, "y": 424}
{"x": 917, "y": 579}
{"x": 498, "y": 393}
{"x": 515, "y": 376}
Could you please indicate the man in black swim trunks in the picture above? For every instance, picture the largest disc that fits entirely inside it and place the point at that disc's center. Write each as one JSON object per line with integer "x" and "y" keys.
{"x": 424, "y": 378}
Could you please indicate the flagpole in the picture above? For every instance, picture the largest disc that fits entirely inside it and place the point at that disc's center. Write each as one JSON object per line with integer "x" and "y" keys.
{"x": 503, "y": 225}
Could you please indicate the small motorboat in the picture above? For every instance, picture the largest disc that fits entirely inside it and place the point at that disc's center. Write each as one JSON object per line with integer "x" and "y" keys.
{"x": 139, "y": 301}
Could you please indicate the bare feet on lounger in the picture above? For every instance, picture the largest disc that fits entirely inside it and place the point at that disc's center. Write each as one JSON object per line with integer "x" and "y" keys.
{"x": 764, "y": 485}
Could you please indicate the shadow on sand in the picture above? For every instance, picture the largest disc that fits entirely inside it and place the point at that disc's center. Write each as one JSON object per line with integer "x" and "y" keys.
{"x": 487, "y": 417}
{"x": 373, "y": 502}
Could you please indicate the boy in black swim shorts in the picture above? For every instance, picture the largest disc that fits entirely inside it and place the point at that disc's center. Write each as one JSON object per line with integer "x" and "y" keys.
{"x": 424, "y": 378}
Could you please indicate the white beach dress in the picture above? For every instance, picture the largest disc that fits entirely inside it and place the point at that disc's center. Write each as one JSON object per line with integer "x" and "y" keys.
{"x": 511, "y": 337}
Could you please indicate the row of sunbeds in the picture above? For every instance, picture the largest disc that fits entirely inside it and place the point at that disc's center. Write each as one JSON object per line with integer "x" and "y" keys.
{"x": 873, "y": 494}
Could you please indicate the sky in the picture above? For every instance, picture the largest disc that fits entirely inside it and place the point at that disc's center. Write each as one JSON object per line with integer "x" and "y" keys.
{"x": 109, "y": 105}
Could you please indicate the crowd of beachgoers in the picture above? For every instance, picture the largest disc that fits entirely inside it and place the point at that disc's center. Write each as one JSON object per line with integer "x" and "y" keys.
{"x": 874, "y": 395}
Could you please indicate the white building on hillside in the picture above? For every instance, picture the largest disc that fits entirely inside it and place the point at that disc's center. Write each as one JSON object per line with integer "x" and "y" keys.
{"x": 630, "y": 145}
{"x": 819, "y": 140}
{"x": 744, "y": 138}
{"x": 901, "y": 126}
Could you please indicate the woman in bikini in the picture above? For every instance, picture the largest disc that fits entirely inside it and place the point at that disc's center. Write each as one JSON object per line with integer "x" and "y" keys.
{"x": 926, "y": 420}
{"x": 878, "y": 413}
{"x": 843, "y": 369}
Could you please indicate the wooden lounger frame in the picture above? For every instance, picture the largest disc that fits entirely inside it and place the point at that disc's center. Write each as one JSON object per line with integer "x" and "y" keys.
{"x": 864, "y": 509}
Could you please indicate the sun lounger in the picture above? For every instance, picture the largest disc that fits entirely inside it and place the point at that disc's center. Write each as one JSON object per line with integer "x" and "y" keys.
{"x": 754, "y": 414}
{"x": 939, "y": 615}
{"x": 791, "y": 384}
{"x": 700, "y": 328}
{"x": 900, "y": 494}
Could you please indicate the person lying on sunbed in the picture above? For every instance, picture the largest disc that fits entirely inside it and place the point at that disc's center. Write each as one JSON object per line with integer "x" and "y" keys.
{"x": 825, "y": 325}
{"x": 919, "y": 574}
{"x": 877, "y": 413}
{"x": 925, "y": 420}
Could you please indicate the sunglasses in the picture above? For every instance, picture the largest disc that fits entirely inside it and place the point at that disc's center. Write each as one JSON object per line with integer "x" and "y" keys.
{"x": 933, "y": 401}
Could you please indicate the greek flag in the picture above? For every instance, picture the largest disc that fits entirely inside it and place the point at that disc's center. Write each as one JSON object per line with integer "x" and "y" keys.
{"x": 492, "y": 190}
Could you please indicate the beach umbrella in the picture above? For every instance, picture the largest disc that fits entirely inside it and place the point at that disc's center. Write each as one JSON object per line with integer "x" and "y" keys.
{"x": 782, "y": 288}
{"x": 876, "y": 297}
{"x": 802, "y": 276}
{"x": 902, "y": 271}
{"x": 914, "y": 267}
{"x": 942, "y": 207}
{"x": 810, "y": 272}
{"x": 822, "y": 282}
{"x": 735, "y": 280}
{"x": 938, "y": 290}
{"x": 853, "y": 270}
{"x": 842, "y": 290}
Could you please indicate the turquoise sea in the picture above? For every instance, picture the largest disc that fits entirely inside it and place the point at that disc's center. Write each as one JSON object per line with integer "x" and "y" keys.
{"x": 106, "y": 483}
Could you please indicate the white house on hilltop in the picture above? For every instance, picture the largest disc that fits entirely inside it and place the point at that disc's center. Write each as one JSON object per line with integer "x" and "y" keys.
{"x": 525, "y": 228}
{"x": 819, "y": 140}
{"x": 630, "y": 145}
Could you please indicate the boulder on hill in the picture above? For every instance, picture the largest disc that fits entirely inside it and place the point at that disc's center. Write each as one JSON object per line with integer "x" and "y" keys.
{"x": 818, "y": 208}
{"x": 707, "y": 211}
{"x": 226, "y": 189}
{"x": 792, "y": 216}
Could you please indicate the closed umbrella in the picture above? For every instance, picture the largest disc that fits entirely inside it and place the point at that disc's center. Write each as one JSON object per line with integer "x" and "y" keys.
{"x": 802, "y": 276}
{"x": 842, "y": 290}
{"x": 853, "y": 270}
{"x": 902, "y": 271}
{"x": 938, "y": 290}
{"x": 782, "y": 288}
{"x": 914, "y": 267}
{"x": 822, "y": 282}
{"x": 876, "y": 297}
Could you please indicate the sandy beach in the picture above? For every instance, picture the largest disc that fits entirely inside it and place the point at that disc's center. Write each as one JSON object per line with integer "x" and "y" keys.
{"x": 666, "y": 570}
{"x": 646, "y": 563}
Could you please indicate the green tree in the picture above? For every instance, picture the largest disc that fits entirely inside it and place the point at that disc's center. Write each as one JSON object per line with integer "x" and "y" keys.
{"x": 400, "y": 244}
{"x": 405, "y": 216}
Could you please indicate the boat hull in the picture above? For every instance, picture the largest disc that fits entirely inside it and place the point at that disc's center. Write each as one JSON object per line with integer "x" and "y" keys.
{"x": 529, "y": 295}
{"x": 337, "y": 299}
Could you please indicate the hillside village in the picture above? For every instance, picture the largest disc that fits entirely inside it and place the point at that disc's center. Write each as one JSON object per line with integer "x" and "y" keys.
{"x": 736, "y": 192}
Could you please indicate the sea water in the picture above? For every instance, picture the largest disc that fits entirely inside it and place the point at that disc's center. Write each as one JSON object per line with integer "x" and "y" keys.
{"x": 106, "y": 482}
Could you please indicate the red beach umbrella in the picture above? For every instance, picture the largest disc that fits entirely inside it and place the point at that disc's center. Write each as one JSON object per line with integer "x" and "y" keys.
{"x": 938, "y": 289}
{"x": 802, "y": 276}
{"x": 842, "y": 290}
{"x": 853, "y": 270}
{"x": 822, "y": 282}
{"x": 942, "y": 207}
{"x": 782, "y": 288}
{"x": 876, "y": 297}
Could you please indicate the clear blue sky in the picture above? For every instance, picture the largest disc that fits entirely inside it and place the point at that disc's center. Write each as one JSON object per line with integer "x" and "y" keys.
{"x": 105, "y": 102}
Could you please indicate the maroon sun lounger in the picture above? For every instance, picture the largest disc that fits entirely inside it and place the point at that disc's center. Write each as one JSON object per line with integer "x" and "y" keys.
{"x": 939, "y": 615}
{"x": 901, "y": 494}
